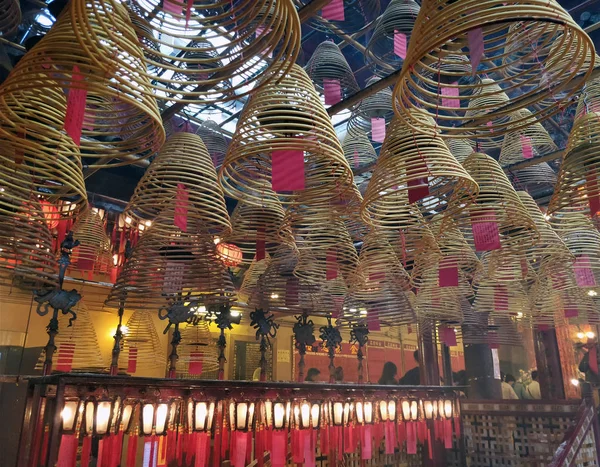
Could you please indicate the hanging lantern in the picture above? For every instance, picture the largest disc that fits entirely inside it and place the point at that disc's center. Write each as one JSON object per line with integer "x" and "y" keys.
{"x": 231, "y": 255}
{"x": 70, "y": 415}
{"x": 203, "y": 416}
{"x": 277, "y": 414}
{"x": 154, "y": 418}
{"x": 98, "y": 416}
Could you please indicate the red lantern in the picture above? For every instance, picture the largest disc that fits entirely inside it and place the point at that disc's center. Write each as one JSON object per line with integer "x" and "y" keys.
{"x": 231, "y": 255}
{"x": 51, "y": 214}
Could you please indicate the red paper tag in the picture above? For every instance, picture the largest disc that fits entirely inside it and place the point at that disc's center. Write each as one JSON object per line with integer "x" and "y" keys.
{"x": 400, "y": 44}
{"x": 356, "y": 160}
{"x": 291, "y": 291}
{"x": 449, "y": 337}
{"x": 448, "y": 273}
{"x": 475, "y": 39}
{"x": 490, "y": 125}
{"x": 331, "y": 265}
{"x": 485, "y": 231}
{"x": 75, "y": 106}
{"x": 260, "y": 244}
{"x": 85, "y": 264}
{"x": 450, "y": 97}
{"x": 373, "y": 323}
{"x": 378, "y": 129}
{"x": 195, "y": 366}
{"x": 173, "y": 7}
{"x": 584, "y": 275}
{"x": 332, "y": 90}
{"x": 181, "y": 207}
{"x": 132, "y": 360}
{"x": 526, "y": 147}
{"x": 543, "y": 327}
{"x": 338, "y": 306}
{"x": 188, "y": 12}
{"x": 334, "y": 11}
{"x": 64, "y": 359}
{"x": 571, "y": 312}
{"x": 287, "y": 170}
{"x": 418, "y": 188}
{"x": 592, "y": 192}
{"x": 500, "y": 298}
{"x": 493, "y": 340}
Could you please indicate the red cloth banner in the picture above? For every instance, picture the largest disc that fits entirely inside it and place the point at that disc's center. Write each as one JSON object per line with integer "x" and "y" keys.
{"x": 132, "y": 360}
{"x": 332, "y": 91}
{"x": 195, "y": 366}
{"x": 485, "y": 231}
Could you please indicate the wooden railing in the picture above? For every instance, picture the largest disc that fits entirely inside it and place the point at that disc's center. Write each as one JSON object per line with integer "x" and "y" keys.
{"x": 516, "y": 433}
{"x": 581, "y": 443}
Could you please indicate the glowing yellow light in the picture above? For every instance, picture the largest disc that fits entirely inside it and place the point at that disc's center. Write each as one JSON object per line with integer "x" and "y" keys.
{"x": 274, "y": 296}
{"x": 590, "y": 335}
{"x": 575, "y": 382}
{"x": 580, "y": 335}
{"x": 592, "y": 293}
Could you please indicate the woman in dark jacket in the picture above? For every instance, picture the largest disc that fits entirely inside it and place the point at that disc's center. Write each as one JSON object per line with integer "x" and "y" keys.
{"x": 388, "y": 376}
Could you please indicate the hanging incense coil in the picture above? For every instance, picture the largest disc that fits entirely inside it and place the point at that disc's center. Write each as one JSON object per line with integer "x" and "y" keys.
{"x": 494, "y": 331}
{"x": 328, "y": 67}
{"x": 356, "y": 15}
{"x": 383, "y": 46}
{"x": 454, "y": 248}
{"x": 215, "y": 142}
{"x": 287, "y": 116}
{"x": 121, "y": 123}
{"x": 460, "y": 148}
{"x": 183, "y": 160}
{"x": 325, "y": 248}
{"x": 142, "y": 353}
{"x": 26, "y": 253}
{"x": 390, "y": 308}
{"x": 550, "y": 255}
{"x": 284, "y": 292}
{"x": 403, "y": 226}
{"x": 358, "y": 150}
{"x": 249, "y": 291}
{"x": 77, "y": 346}
{"x": 589, "y": 99}
{"x": 253, "y": 225}
{"x": 528, "y": 142}
{"x": 198, "y": 353}
{"x": 34, "y": 148}
{"x": 10, "y": 17}
{"x": 420, "y": 164}
{"x": 497, "y": 208}
{"x": 189, "y": 65}
{"x": 369, "y": 112}
{"x": 448, "y": 27}
{"x": 347, "y": 206}
{"x": 441, "y": 303}
{"x": 377, "y": 266}
{"x": 507, "y": 266}
{"x": 507, "y": 298}
{"x": 168, "y": 265}
{"x": 577, "y": 183}
{"x": 583, "y": 240}
{"x": 94, "y": 250}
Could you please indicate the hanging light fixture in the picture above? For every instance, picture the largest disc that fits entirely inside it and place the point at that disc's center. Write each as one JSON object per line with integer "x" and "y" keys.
{"x": 203, "y": 415}
{"x": 70, "y": 415}
{"x": 154, "y": 418}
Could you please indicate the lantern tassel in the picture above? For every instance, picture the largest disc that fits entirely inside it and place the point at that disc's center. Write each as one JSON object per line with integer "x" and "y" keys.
{"x": 86, "y": 450}
{"x": 411, "y": 437}
{"x": 309, "y": 448}
{"x": 390, "y": 437}
{"x": 401, "y": 427}
{"x": 447, "y": 433}
{"x": 259, "y": 446}
{"x": 324, "y": 435}
{"x": 366, "y": 442}
{"x": 67, "y": 453}
{"x": 202, "y": 450}
{"x": 132, "y": 443}
{"x": 279, "y": 449}
{"x": 429, "y": 445}
{"x": 241, "y": 445}
{"x": 297, "y": 447}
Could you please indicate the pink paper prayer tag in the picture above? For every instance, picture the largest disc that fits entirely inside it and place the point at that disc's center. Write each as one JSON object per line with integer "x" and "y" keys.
{"x": 475, "y": 39}
{"x": 400, "y": 44}
{"x": 332, "y": 91}
{"x": 378, "y": 129}
{"x": 584, "y": 275}
{"x": 526, "y": 147}
{"x": 334, "y": 11}
{"x": 450, "y": 98}
{"x": 485, "y": 231}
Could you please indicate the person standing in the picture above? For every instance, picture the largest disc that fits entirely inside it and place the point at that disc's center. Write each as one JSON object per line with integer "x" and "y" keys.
{"x": 388, "y": 375}
{"x": 507, "y": 388}
{"x": 532, "y": 391}
{"x": 413, "y": 376}
{"x": 312, "y": 375}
